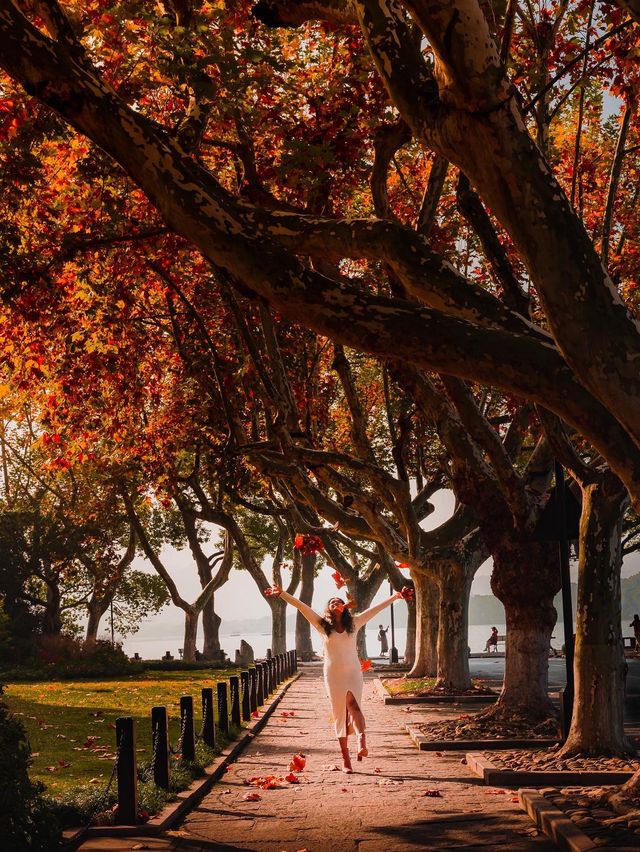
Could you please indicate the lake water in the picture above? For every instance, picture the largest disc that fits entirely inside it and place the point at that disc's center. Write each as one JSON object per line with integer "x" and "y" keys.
{"x": 154, "y": 649}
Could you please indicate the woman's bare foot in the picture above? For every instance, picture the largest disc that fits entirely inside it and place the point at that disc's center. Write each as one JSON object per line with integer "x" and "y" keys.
{"x": 363, "y": 751}
{"x": 346, "y": 762}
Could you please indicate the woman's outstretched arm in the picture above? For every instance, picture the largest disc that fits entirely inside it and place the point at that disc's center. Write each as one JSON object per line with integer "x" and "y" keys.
{"x": 311, "y": 615}
{"x": 361, "y": 618}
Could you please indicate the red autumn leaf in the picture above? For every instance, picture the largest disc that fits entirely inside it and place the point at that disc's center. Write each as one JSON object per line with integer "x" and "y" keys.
{"x": 365, "y": 665}
{"x": 143, "y": 816}
{"x": 63, "y": 764}
{"x": 298, "y": 763}
{"x": 344, "y": 790}
{"x": 438, "y": 754}
{"x": 515, "y": 799}
{"x": 377, "y": 770}
{"x": 291, "y": 778}
{"x": 338, "y": 579}
{"x": 252, "y": 797}
{"x": 435, "y": 794}
{"x": 255, "y": 714}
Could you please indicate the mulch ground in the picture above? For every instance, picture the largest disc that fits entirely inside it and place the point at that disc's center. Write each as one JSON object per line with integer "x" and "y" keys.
{"x": 547, "y": 760}
{"x": 477, "y": 727}
{"x": 589, "y": 811}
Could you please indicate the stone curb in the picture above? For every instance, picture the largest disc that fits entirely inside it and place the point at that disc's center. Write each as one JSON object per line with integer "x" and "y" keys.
{"x": 187, "y": 799}
{"x": 556, "y": 825}
{"x": 431, "y": 699}
{"x": 425, "y": 744}
{"x": 482, "y": 766}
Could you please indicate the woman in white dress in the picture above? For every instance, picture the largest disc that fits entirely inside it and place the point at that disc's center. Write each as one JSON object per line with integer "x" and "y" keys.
{"x": 342, "y": 670}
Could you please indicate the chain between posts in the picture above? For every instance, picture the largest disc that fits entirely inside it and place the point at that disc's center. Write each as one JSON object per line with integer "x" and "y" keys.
{"x": 71, "y": 844}
{"x": 204, "y": 718}
{"x": 145, "y": 773}
{"x": 178, "y": 748}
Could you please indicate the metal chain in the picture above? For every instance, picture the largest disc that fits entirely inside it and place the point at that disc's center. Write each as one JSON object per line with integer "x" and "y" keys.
{"x": 101, "y": 801}
{"x": 204, "y": 717}
{"x": 144, "y": 773}
{"x": 178, "y": 747}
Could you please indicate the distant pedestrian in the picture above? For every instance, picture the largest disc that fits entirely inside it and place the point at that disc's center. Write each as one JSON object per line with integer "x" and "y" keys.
{"x": 636, "y": 630}
{"x": 492, "y": 641}
{"x": 382, "y": 639}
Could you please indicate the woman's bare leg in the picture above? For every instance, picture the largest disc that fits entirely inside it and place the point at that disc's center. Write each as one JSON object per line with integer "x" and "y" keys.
{"x": 358, "y": 723}
{"x": 346, "y": 758}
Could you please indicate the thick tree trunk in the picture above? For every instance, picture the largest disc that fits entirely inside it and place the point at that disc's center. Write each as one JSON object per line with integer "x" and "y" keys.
{"x": 211, "y": 630}
{"x": 190, "y": 636}
{"x": 453, "y": 632}
{"x": 597, "y": 722}
{"x": 410, "y": 644}
{"x": 96, "y": 609}
{"x": 426, "y": 659}
{"x": 526, "y": 577}
{"x": 304, "y": 646}
{"x": 52, "y": 617}
{"x": 278, "y": 625}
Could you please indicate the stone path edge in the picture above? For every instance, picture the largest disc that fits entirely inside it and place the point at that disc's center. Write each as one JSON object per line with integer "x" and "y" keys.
{"x": 556, "y": 825}
{"x": 425, "y": 744}
{"x": 382, "y": 691}
{"x": 186, "y": 799}
{"x": 482, "y": 766}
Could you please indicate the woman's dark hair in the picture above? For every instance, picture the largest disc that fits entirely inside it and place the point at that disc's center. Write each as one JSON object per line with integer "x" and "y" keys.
{"x": 327, "y": 620}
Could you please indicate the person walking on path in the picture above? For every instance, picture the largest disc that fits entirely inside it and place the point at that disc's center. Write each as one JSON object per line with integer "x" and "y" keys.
{"x": 342, "y": 669}
{"x": 382, "y": 639}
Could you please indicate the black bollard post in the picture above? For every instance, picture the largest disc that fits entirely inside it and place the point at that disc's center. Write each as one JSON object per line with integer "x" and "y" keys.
{"x": 223, "y": 708}
{"x": 272, "y": 674}
{"x": 294, "y": 657}
{"x": 160, "y": 747}
{"x": 208, "y": 718}
{"x": 252, "y": 690}
{"x": 188, "y": 744}
{"x": 268, "y": 653}
{"x": 287, "y": 665}
{"x": 234, "y": 685}
{"x": 280, "y": 669}
{"x": 259, "y": 686}
{"x": 246, "y": 707}
{"x": 127, "y": 771}
{"x": 266, "y": 686}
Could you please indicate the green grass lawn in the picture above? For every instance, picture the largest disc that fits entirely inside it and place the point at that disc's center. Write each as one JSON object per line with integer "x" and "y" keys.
{"x": 73, "y": 722}
{"x": 415, "y": 687}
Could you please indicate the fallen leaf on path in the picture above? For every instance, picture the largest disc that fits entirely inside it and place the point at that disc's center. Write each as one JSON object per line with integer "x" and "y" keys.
{"x": 438, "y": 754}
{"x": 330, "y": 767}
{"x": 292, "y": 778}
{"x": 495, "y": 792}
{"x": 252, "y": 797}
{"x": 515, "y": 799}
{"x": 298, "y": 763}
{"x": 229, "y": 767}
{"x": 433, "y": 794}
{"x": 377, "y": 770}
{"x": 344, "y": 790}
{"x": 255, "y": 714}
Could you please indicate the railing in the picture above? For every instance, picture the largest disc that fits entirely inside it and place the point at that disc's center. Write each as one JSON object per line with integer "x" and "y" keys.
{"x": 238, "y": 699}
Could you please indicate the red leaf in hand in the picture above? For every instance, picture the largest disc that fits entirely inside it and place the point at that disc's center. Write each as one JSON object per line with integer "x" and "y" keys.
{"x": 365, "y": 665}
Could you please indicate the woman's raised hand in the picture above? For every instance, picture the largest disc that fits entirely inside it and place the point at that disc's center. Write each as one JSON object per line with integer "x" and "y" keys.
{"x": 406, "y": 594}
{"x": 274, "y": 591}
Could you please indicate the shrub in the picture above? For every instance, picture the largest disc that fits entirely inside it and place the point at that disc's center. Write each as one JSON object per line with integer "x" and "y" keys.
{"x": 26, "y": 822}
{"x": 61, "y": 657}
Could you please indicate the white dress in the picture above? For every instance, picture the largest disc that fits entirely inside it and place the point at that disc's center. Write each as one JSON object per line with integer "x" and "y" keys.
{"x": 342, "y": 671}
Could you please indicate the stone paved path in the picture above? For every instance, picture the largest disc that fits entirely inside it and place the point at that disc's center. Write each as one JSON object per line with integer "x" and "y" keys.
{"x": 380, "y": 808}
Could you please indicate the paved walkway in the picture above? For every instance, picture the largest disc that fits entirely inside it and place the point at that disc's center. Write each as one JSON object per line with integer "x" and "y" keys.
{"x": 380, "y": 808}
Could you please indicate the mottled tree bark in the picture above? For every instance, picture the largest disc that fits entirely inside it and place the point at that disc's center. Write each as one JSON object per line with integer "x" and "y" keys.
{"x": 597, "y": 721}
{"x": 96, "y": 609}
{"x": 526, "y": 578}
{"x": 304, "y": 645}
{"x": 278, "y": 625}
{"x": 454, "y": 584}
{"x": 410, "y": 644}
{"x": 427, "y": 605}
{"x": 191, "y": 617}
{"x": 211, "y": 622}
